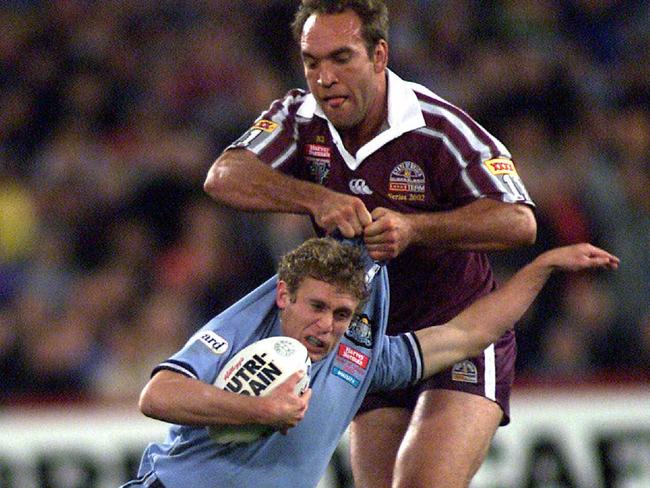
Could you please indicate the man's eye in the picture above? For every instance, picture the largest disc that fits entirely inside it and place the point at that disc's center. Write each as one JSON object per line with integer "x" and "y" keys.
{"x": 342, "y": 59}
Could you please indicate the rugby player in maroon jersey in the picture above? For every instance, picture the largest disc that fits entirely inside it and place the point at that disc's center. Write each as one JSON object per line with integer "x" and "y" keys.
{"x": 430, "y": 190}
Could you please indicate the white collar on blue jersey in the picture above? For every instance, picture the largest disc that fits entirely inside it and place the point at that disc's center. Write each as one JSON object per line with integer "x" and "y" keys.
{"x": 404, "y": 115}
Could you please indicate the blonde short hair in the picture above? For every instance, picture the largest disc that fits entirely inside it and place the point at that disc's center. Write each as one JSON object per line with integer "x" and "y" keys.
{"x": 325, "y": 259}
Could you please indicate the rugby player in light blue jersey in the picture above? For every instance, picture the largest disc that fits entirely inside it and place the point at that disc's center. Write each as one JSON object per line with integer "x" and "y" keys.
{"x": 334, "y": 299}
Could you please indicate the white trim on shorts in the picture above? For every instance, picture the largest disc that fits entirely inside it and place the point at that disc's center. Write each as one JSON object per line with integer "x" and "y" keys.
{"x": 489, "y": 372}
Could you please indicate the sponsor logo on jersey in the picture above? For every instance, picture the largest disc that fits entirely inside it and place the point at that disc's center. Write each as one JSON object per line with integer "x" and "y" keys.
{"x": 351, "y": 354}
{"x": 213, "y": 341}
{"x": 500, "y": 166}
{"x": 265, "y": 125}
{"x": 407, "y": 182}
{"x": 360, "y": 331}
{"x": 318, "y": 151}
{"x": 464, "y": 371}
{"x": 344, "y": 375}
{"x": 359, "y": 187}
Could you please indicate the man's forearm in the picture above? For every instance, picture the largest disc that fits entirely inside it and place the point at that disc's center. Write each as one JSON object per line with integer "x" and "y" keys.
{"x": 238, "y": 179}
{"x": 489, "y": 317}
{"x": 485, "y": 225}
{"x": 485, "y": 320}
{"x": 174, "y": 398}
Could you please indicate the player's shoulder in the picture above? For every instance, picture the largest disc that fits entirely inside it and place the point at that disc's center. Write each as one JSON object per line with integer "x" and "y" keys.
{"x": 435, "y": 107}
{"x": 297, "y": 105}
{"x": 293, "y": 99}
{"x": 442, "y": 116}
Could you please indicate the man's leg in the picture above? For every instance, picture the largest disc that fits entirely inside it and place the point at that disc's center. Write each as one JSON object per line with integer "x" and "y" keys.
{"x": 375, "y": 437}
{"x": 447, "y": 440}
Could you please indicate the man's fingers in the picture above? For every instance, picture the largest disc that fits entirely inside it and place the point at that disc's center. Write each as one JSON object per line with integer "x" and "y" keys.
{"x": 306, "y": 396}
{"x": 365, "y": 218}
{"x": 347, "y": 230}
{"x": 295, "y": 378}
{"x": 289, "y": 385}
{"x": 602, "y": 257}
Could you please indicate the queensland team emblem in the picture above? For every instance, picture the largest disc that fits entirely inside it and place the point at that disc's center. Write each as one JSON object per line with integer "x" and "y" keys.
{"x": 360, "y": 331}
{"x": 319, "y": 170}
{"x": 407, "y": 182}
{"x": 318, "y": 157}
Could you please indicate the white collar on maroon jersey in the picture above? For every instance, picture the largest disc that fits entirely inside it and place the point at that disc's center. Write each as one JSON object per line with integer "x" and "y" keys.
{"x": 404, "y": 115}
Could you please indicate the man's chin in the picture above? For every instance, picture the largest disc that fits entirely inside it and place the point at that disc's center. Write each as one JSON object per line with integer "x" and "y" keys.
{"x": 341, "y": 121}
{"x": 317, "y": 353}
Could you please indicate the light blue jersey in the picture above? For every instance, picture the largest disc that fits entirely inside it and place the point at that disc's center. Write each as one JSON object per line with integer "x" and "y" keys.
{"x": 364, "y": 360}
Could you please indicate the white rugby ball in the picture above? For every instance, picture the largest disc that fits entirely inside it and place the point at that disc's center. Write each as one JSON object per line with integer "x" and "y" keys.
{"x": 257, "y": 370}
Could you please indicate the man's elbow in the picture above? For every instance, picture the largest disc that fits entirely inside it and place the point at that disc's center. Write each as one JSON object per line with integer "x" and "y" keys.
{"x": 149, "y": 403}
{"x": 479, "y": 341}
{"x": 525, "y": 226}
{"x": 215, "y": 183}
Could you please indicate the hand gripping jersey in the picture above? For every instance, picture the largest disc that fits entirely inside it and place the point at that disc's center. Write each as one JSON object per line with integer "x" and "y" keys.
{"x": 433, "y": 157}
{"x": 364, "y": 360}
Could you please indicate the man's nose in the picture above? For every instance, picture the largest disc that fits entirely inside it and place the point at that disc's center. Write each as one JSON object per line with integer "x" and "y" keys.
{"x": 325, "y": 323}
{"x": 327, "y": 76}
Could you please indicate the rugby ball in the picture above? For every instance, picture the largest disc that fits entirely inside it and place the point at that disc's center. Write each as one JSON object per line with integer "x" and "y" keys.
{"x": 257, "y": 370}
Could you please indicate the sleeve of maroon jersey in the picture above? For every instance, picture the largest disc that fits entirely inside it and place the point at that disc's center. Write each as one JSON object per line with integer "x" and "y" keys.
{"x": 470, "y": 163}
{"x": 274, "y": 135}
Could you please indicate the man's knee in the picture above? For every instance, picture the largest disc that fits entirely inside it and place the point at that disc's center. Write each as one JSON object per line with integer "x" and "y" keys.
{"x": 375, "y": 437}
{"x": 447, "y": 440}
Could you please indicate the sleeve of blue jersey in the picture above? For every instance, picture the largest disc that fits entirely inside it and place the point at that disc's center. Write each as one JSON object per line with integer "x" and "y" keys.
{"x": 417, "y": 359}
{"x": 178, "y": 367}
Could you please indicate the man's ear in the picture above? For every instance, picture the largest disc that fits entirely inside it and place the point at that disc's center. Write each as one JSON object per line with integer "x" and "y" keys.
{"x": 381, "y": 56}
{"x": 282, "y": 296}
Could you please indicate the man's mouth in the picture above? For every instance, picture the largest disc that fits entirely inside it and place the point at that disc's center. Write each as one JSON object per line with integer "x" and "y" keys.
{"x": 334, "y": 101}
{"x": 315, "y": 342}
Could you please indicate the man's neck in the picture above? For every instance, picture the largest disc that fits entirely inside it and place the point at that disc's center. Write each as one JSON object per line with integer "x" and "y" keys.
{"x": 355, "y": 138}
{"x": 375, "y": 122}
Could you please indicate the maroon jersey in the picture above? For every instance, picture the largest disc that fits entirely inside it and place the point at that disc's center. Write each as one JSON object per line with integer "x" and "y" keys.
{"x": 433, "y": 157}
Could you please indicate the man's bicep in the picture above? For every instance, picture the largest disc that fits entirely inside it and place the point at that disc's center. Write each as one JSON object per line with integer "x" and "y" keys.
{"x": 234, "y": 159}
{"x": 443, "y": 346}
{"x": 496, "y": 178}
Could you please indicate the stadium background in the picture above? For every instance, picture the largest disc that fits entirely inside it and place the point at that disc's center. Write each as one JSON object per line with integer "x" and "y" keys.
{"x": 111, "y": 112}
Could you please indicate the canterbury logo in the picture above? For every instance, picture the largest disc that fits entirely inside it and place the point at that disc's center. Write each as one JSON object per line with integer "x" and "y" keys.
{"x": 360, "y": 187}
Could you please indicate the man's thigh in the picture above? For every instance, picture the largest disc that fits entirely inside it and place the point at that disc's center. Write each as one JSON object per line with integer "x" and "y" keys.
{"x": 375, "y": 438}
{"x": 447, "y": 440}
{"x": 472, "y": 394}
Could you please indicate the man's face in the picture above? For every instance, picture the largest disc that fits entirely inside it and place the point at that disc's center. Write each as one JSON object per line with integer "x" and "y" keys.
{"x": 339, "y": 72}
{"x": 318, "y": 314}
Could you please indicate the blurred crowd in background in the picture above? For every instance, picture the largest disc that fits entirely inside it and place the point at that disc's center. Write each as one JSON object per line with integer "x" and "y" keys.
{"x": 111, "y": 113}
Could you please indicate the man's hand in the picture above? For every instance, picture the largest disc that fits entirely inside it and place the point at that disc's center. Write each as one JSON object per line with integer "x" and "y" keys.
{"x": 344, "y": 212}
{"x": 388, "y": 235}
{"x": 284, "y": 408}
{"x": 578, "y": 257}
